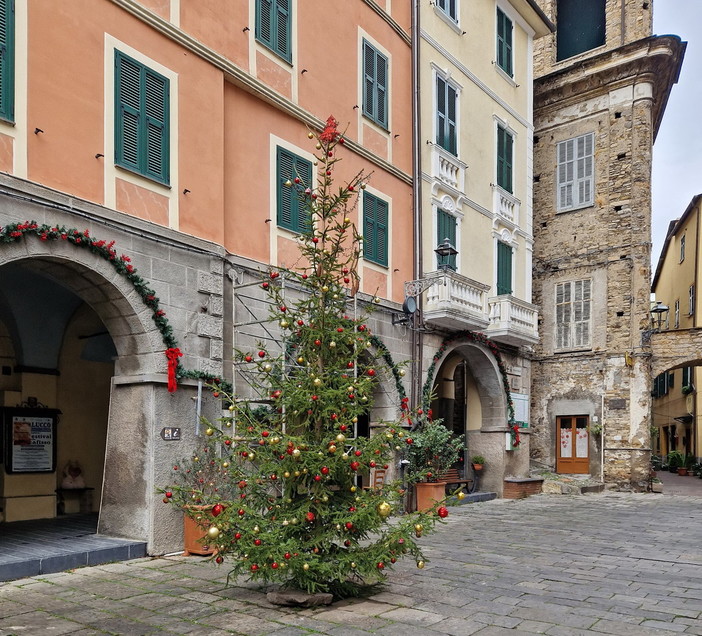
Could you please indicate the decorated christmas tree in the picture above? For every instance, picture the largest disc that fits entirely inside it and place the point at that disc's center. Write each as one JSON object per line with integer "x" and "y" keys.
{"x": 276, "y": 484}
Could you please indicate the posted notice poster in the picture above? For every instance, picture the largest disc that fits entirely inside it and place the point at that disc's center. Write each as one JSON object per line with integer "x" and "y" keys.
{"x": 32, "y": 444}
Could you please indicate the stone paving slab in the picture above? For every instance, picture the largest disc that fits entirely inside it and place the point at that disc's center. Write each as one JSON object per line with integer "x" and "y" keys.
{"x": 564, "y": 566}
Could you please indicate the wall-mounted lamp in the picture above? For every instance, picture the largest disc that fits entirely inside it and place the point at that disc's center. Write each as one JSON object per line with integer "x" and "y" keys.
{"x": 444, "y": 251}
{"x": 659, "y": 314}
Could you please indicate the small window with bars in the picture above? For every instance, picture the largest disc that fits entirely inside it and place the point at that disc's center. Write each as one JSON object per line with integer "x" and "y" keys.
{"x": 141, "y": 119}
{"x": 575, "y": 178}
{"x": 573, "y": 315}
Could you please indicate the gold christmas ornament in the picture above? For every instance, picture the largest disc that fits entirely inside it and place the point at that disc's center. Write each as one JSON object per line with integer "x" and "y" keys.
{"x": 354, "y": 419}
{"x": 325, "y": 499}
{"x": 300, "y": 360}
{"x": 288, "y": 184}
{"x": 306, "y": 566}
{"x": 251, "y": 456}
{"x": 297, "y": 472}
{"x": 332, "y": 449}
{"x": 461, "y": 495}
{"x": 332, "y": 344}
{"x": 209, "y": 432}
{"x": 267, "y": 368}
{"x": 318, "y": 146}
{"x": 325, "y": 288}
{"x": 353, "y": 489}
{"x": 418, "y": 527}
{"x": 256, "y": 529}
{"x": 341, "y": 438}
{"x": 213, "y": 532}
{"x": 225, "y": 464}
{"x": 420, "y": 565}
{"x": 317, "y": 381}
{"x": 284, "y": 323}
{"x": 285, "y": 522}
{"x": 231, "y": 408}
{"x": 352, "y": 565}
{"x": 296, "y": 453}
{"x": 402, "y": 373}
{"x": 384, "y": 509}
{"x": 310, "y": 135}
{"x": 338, "y": 526}
{"x": 286, "y": 474}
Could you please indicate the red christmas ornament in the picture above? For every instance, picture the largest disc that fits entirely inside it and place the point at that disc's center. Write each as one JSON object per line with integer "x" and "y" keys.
{"x": 274, "y": 275}
{"x": 347, "y": 279}
{"x": 409, "y": 440}
{"x": 381, "y": 565}
{"x": 318, "y": 478}
{"x": 219, "y": 559}
{"x": 357, "y": 453}
{"x": 261, "y": 354}
{"x": 300, "y": 322}
{"x": 372, "y": 464}
{"x": 347, "y": 543}
{"x": 257, "y": 541}
{"x": 325, "y": 470}
{"x": 304, "y": 277}
{"x": 242, "y": 484}
{"x": 287, "y": 555}
{"x": 283, "y": 308}
{"x": 254, "y": 567}
{"x": 241, "y": 512}
{"x": 340, "y": 329}
{"x": 237, "y": 536}
{"x": 318, "y": 342}
{"x": 169, "y": 494}
{"x": 274, "y": 565}
{"x": 350, "y": 188}
{"x": 343, "y": 427}
{"x": 248, "y": 358}
{"x": 349, "y": 525}
{"x": 349, "y": 365}
{"x": 371, "y": 372}
{"x": 355, "y": 465}
{"x": 442, "y": 512}
{"x": 265, "y": 434}
{"x": 334, "y": 416}
{"x": 264, "y": 285}
{"x": 310, "y": 516}
{"x": 217, "y": 509}
{"x": 315, "y": 240}
{"x": 315, "y": 398}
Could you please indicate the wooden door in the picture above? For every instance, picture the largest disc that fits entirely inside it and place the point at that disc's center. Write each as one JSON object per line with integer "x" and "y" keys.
{"x": 573, "y": 445}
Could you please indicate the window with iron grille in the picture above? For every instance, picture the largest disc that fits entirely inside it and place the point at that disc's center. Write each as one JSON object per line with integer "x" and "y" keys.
{"x": 141, "y": 119}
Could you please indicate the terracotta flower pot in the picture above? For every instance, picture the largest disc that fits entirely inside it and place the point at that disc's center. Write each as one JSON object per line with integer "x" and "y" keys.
{"x": 428, "y": 493}
{"x": 682, "y": 471}
{"x": 194, "y": 535}
{"x": 477, "y": 467}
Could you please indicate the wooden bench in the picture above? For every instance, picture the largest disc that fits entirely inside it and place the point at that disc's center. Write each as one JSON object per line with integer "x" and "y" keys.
{"x": 451, "y": 477}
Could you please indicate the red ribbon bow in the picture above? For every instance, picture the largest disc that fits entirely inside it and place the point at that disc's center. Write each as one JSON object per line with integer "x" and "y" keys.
{"x": 172, "y": 354}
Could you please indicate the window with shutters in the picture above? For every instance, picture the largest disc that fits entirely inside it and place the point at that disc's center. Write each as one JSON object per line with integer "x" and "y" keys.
{"x": 505, "y": 142}
{"x": 686, "y": 378}
{"x": 7, "y": 60}
{"x": 504, "y": 268}
{"x": 375, "y": 85}
{"x": 293, "y": 175}
{"x": 573, "y": 310}
{"x": 449, "y": 8}
{"x": 445, "y": 229}
{"x": 446, "y": 115}
{"x": 274, "y": 26}
{"x": 141, "y": 119}
{"x": 575, "y": 173}
{"x": 581, "y": 26}
{"x": 504, "y": 43}
{"x": 375, "y": 229}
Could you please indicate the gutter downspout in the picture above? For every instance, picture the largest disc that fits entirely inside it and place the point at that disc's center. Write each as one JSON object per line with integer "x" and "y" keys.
{"x": 416, "y": 386}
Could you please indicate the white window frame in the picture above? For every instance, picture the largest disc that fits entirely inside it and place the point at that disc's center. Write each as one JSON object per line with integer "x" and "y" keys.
{"x": 575, "y": 158}
{"x": 573, "y": 315}
{"x": 444, "y": 6}
{"x": 682, "y": 248}
{"x": 677, "y": 313}
{"x": 691, "y": 300}
{"x": 446, "y": 77}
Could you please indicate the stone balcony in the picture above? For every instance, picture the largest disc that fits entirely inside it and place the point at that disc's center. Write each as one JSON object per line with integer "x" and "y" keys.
{"x": 456, "y": 302}
{"x": 512, "y": 321}
{"x": 448, "y": 169}
{"x": 505, "y": 205}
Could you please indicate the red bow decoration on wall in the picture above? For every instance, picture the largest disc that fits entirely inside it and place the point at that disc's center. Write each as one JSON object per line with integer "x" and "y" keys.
{"x": 515, "y": 435}
{"x": 172, "y": 354}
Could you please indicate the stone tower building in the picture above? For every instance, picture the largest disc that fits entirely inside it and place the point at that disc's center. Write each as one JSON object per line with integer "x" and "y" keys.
{"x": 602, "y": 83}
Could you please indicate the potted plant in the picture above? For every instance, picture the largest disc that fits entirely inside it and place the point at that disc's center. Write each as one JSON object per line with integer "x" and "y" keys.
{"x": 434, "y": 449}
{"x": 676, "y": 461}
{"x": 198, "y": 485}
{"x": 656, "y": 485}
{"x": 477, "y": 461}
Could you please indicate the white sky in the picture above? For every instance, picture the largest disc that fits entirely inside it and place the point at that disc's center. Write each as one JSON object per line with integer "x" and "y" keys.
{"x": 677, "y": 154}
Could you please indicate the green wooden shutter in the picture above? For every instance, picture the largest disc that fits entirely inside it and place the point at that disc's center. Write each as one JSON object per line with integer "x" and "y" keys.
{"x": 156, "y": 109}
{"x": 504, "y": 268}
{"x": 446, "y": 229}
{"x": 504, "y": 42}
{"x": 274, "y": 26}
{"x": 141, "y": 119}
{"x": 375, "y": 89}
{"x": 445, "y": 115}
{"x": 292, "y": 213}
{"x": 127, "y": 112}
{"x": 375, "y": 229}
{"x": 7, "y": 59}
{"x": 504, "y": 159}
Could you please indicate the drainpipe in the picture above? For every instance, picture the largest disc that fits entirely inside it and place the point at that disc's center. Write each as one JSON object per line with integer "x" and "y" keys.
{"x": 416, "y": 386}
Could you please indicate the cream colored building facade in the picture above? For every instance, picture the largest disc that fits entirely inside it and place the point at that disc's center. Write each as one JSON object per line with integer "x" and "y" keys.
{"x": 475, "y": 140}
{"x": 676, "y": 400}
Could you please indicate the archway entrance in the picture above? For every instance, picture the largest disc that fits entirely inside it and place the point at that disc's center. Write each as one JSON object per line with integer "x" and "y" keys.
{"x": 56, "y": 359}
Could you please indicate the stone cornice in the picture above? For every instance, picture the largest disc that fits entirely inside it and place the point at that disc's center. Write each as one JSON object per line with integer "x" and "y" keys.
{"x": 250, "y": 84}
{"x": 657, "y": 59}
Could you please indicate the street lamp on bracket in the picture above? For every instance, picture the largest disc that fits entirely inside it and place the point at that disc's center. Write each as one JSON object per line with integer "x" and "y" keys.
{"x": 659, "y": 313}
{"x": 414, "y": 288}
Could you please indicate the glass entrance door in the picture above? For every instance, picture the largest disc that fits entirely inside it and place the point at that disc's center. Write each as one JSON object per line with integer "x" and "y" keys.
{"x": 573, "y": 454}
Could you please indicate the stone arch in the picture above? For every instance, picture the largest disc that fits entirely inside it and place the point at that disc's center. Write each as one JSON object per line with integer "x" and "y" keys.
{"x": 112, "y": 296}
{"x": 674, "y": 349}
{"x": 488, "y": 379}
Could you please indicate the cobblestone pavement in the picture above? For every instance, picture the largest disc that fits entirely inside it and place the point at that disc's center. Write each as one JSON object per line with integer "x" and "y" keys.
{"x": 626, "y": 564}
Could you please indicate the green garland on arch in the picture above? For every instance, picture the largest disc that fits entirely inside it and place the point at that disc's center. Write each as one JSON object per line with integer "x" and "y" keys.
{"x": 387, "y": 356}
{"x": 478, "y": 338}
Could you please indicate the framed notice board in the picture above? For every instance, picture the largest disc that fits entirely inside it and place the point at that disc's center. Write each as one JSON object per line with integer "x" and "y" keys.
{"x": 29, "y": 438}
